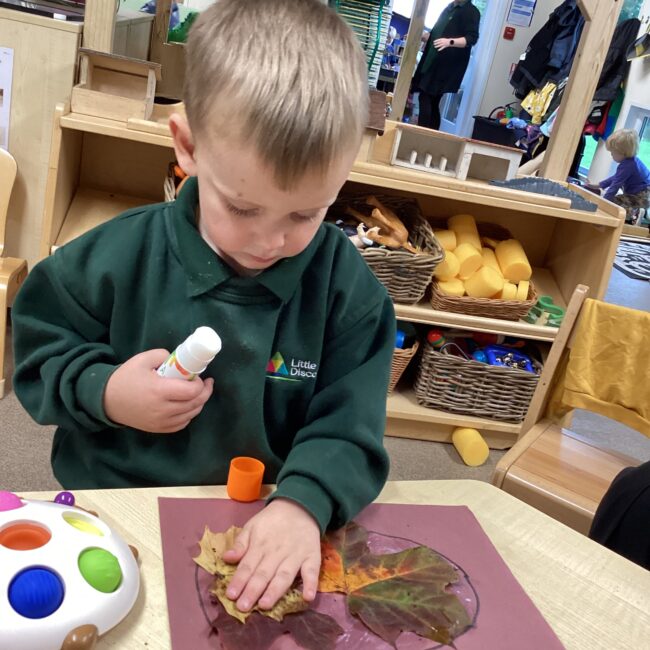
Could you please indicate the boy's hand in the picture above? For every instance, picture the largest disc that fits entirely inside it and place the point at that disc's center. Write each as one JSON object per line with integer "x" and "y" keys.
{"x": 276, "y": 544}
{"x": 137, "y": 397}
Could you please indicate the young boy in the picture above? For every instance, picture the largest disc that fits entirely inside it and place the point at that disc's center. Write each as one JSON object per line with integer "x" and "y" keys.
{"x": 271, "y": 132}
{"x": 631, "y": 176}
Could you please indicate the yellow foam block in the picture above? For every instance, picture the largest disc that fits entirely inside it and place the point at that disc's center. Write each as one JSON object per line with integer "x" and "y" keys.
{"x": 447, "y": 239}
{"x": 522, "y": 290}
{"x": 488, "y": 241}
{"x": 464, "y": 226}
{"x": 509, "y": 292}
{"x": 461, "y": 222}
{"x": 513, "y": 261}
{"x": 484, "y": 283}
{"x": 469, "y": 259}
{"x": 471, "y": 446}
{"x": 490, "y": 259}
{"x": 469, "y": 237}
{"x": 453, "y": 287}
{"x": 448, "y": 268}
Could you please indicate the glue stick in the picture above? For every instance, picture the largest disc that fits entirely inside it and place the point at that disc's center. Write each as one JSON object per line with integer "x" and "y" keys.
{"x": 192, "y": 356}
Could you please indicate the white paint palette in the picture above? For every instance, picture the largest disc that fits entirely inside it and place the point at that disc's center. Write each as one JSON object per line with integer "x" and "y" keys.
{"x": 61, "y": 568}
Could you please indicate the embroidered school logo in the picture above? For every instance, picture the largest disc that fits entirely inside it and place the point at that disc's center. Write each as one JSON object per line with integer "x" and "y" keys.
{"x": 296, "y": 370}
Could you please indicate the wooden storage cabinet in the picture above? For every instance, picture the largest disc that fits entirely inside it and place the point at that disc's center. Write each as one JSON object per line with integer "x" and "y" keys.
{"x": 44, "y": 65}
{"x": 99, "y": 168}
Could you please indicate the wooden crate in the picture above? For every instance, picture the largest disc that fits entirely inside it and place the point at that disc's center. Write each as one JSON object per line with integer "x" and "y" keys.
{"x": 435, "y": 152}
{"x": 114, "y": 87}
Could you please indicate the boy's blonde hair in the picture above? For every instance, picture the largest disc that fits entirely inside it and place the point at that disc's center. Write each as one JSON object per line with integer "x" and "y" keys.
{"x": 625, "y": 142}
{"x": 287, "y": 76}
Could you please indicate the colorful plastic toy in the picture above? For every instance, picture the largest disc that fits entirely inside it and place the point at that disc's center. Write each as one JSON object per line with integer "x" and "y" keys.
{"x": 546, "y": 312}
{"x": 499, "y": 355}
{"x": 66, "y": 578}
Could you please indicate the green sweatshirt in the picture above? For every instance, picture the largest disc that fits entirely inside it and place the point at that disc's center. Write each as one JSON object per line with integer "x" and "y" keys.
{"x": 300, "y": 382}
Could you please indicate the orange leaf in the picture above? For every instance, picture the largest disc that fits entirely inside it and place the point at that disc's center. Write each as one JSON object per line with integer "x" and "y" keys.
{"x": 339, "y": 551}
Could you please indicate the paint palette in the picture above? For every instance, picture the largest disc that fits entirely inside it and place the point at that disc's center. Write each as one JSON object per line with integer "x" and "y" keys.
{"x": 66, "y": 578}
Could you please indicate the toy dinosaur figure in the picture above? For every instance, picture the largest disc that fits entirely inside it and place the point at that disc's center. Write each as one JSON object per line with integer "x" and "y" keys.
{"x": 363, "y": 238}
{"x": 392, "y": 232}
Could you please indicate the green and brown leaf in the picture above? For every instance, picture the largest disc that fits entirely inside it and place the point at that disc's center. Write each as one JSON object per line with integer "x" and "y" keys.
{"x": 393, "y": 593}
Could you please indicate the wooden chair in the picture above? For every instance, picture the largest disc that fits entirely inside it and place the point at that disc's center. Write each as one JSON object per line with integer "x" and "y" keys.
{"x": 12, "y": 270}
{"x": 551, "y": 468}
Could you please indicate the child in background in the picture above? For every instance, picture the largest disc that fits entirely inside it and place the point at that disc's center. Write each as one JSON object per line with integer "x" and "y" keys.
{"x": 273, "y": 126}
{"x": 632, "y": 176}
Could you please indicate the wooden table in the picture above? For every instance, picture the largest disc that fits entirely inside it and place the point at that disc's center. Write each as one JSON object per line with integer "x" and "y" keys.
{"x": 591, "y": 597}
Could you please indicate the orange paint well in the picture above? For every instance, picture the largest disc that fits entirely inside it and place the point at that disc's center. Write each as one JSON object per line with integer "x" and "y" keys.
{"x": 24, "y": 537}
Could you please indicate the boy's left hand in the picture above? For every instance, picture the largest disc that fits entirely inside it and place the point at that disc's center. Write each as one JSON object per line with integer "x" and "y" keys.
{"x": 276, "y": 544}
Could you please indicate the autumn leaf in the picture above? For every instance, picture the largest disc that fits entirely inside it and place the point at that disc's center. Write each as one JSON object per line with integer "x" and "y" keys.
{"x": 409, "y": 595}
{"x": 213, "y": 546}
{"x": 393, "y": 593}
{"x": 290, "y": 603}
{"x": 311, "y": 630}
{"x": 340, "y": 550}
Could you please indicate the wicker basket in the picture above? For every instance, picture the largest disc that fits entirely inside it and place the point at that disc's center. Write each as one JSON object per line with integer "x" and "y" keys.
{"x": 454, "y": 384}
{"x": 486, "y": 307}
{"x": 401, "y": 359}
{"x": 405, "y": 275}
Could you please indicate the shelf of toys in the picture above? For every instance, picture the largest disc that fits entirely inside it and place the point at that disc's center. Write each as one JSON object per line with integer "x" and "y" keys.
{"x": 99, "y": 167}
{"x": 565, "y": 247}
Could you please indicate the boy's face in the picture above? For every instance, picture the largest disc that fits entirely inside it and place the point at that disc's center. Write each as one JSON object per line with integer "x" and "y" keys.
{"x": 252, "y": 223}
{"x": 618, "y": 157}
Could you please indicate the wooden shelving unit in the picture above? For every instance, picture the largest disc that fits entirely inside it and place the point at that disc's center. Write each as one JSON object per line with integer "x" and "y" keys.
{"x": 99, "y": 168}
{"x": 407, "y": 419}
{"x": 90, "y": 208}
{"x": 543, "y": 280}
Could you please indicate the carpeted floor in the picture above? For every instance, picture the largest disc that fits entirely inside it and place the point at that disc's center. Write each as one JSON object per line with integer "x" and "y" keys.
{"x": 633, "y": 258}
{"x": 25, "y": 446}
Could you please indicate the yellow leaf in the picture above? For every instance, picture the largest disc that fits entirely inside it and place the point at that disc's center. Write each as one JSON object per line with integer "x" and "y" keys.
{"x": 213, "y": 546}
{"x": 218, "y": 589}
{"x": 290, "y": 603}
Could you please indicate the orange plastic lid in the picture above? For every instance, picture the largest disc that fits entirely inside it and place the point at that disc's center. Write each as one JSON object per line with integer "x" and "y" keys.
{"x": 245, "y": 479}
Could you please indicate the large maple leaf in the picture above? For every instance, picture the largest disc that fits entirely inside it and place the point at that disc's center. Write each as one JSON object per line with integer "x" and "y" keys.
{"x": 393, "y": 593}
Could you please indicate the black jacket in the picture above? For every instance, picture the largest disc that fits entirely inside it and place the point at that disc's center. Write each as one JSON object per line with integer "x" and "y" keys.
{"x": 550, "y": 53}
{"x": 447, "y": 72}
{"x": 616, "y": 64}
{"x": 622, "y": 520}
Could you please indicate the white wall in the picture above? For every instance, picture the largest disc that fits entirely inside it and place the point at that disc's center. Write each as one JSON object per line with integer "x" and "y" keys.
{"x": 498, "y": 90}
{"x": 637, "y": 93}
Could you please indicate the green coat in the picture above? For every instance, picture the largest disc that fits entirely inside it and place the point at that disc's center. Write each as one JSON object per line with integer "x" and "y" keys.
{"x": 300, "y": 382}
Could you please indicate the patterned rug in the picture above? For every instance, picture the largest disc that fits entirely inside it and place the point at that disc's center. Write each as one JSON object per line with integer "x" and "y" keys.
{"x": 633, "y": 259}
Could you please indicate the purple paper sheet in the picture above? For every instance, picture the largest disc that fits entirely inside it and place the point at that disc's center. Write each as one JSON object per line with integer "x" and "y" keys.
{"x": 505, "y": 617}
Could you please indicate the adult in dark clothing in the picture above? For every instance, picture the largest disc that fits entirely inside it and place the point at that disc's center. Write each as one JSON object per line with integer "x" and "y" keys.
{"x": 622, "y": 520}
{"x": 445, "y": 58}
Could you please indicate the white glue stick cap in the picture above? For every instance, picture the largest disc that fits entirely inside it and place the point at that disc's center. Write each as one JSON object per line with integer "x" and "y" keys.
{"x": 196, "y": 352}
